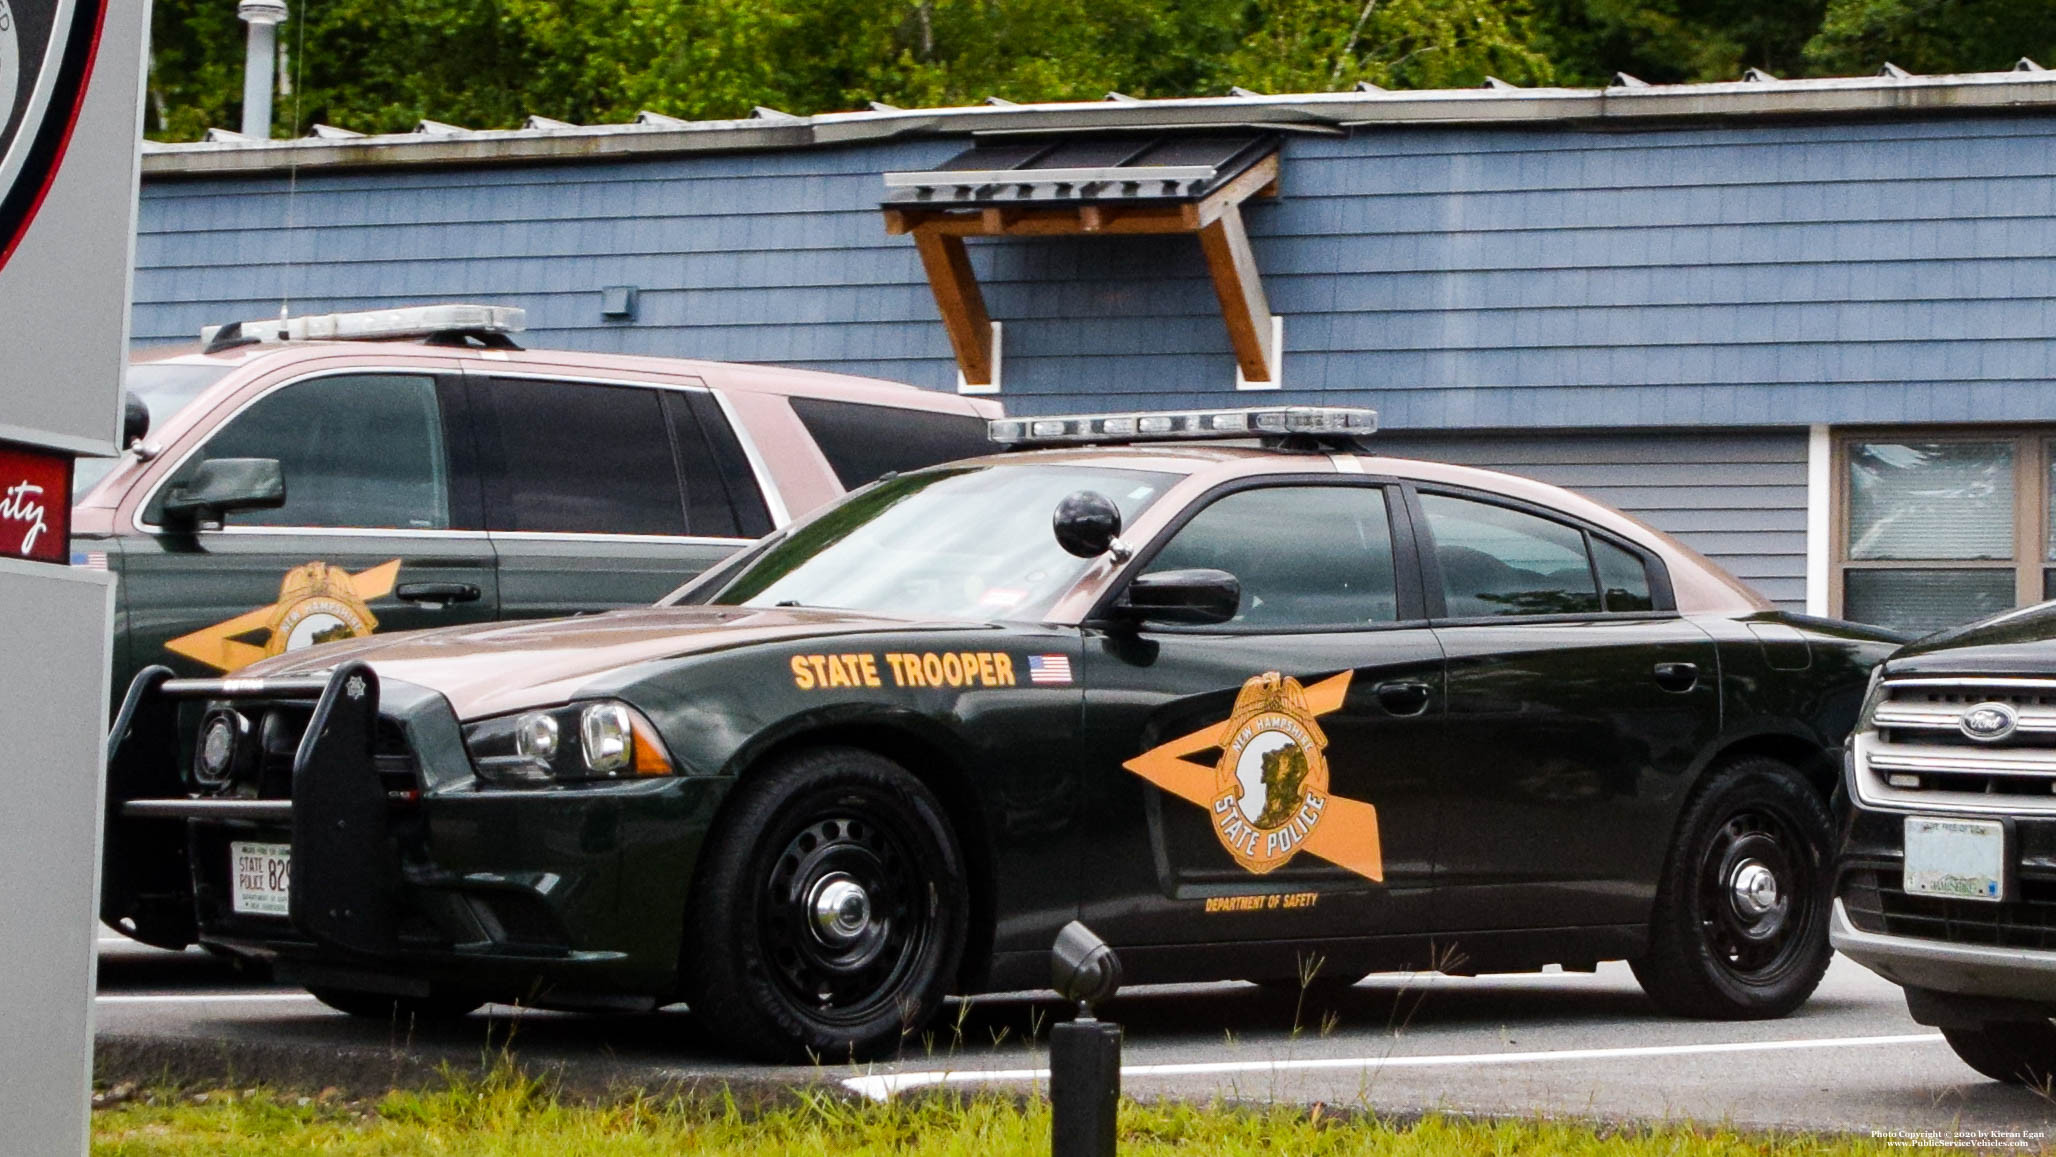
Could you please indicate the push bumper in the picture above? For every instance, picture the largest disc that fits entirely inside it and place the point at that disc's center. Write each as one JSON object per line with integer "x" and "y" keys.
{"x": 1963, "y": 969}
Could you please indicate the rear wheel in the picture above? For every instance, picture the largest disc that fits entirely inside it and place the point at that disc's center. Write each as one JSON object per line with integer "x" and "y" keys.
{"x": 1740, "y": 925}
{"x": 387, "y": 1007}
{"x": 2017, "y": 1052}
{"x": 830, "y": 910}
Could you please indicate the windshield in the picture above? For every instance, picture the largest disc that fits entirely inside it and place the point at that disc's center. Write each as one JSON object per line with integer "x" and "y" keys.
{"x": 165, "y": 388}
{"x": 954, "y": 543}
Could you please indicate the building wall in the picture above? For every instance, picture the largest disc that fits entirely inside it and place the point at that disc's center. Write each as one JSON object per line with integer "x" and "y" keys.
{"x": 1738, "y": 497}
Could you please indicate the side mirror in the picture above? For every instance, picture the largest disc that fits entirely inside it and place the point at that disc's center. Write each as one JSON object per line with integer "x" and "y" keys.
{"x": 222, "y": 485}
{"x": 135, "y": 421}
{"x": 1087, "y": 524}
{"x": 1197, "y": 597}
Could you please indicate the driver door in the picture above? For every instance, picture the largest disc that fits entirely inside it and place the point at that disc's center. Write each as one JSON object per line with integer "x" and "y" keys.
{"x": 1269, "y": 779}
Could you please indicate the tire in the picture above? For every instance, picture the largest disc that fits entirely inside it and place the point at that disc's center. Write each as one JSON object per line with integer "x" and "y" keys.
{"x": 772, "y": 964}
{"x": 380, "y": 1006}
{"x": 1717, "y": 949}
{"x": 2016, "y": 1052}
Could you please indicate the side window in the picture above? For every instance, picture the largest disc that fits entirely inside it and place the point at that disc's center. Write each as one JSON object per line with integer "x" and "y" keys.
{"x": 1307, "y": 556}
{"x": 862, "y": 442}
{"x": 1499, "y": 561}
{"x": 577, "y": 458}
{"x": 1623, "y": 578}
{"x": 722, "y": 496}
{"x": 356, "y": 451}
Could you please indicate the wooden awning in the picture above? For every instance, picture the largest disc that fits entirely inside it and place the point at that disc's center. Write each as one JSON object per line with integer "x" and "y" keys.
{"x": 1101, "y": 184}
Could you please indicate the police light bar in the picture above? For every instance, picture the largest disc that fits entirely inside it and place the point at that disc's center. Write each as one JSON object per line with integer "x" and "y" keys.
{"x": 1321, "y": 422}
{"x": 373, "y": 325}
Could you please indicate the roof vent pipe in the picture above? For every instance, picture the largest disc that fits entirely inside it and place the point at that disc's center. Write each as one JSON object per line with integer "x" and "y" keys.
{"x": 263, "y": 17}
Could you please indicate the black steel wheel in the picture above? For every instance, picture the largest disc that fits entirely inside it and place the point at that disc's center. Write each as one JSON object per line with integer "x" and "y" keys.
{"x": 437, "y": 1005}
{"x": 2016, "y": 1052}
{"x": 1740, "y": 926}
{"x": 830, "y": 910}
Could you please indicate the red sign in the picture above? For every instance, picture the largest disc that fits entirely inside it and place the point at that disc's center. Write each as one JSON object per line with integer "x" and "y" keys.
{"x": 35, "y": 504}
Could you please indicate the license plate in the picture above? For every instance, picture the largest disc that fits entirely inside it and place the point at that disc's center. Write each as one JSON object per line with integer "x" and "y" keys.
{"x": 260, "y": 876}
{"x": 1960, "y": 859}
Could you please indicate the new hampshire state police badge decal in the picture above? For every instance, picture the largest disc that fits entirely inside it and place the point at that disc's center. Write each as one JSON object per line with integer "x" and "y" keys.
{"x": 46, "y": 54}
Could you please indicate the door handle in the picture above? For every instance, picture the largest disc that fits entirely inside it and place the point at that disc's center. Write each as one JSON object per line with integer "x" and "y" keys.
{"x": 1403, "y": 697}
{"x": 437, "y": 592}
{"x": 1678, "y": 677}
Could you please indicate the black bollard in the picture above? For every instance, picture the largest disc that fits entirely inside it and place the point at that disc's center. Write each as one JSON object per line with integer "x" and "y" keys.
{"x": 1084, "y": 1087}
{"x": 1084, "y": 1054}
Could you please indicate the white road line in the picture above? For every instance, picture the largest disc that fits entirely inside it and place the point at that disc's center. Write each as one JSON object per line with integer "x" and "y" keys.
{"x": 883, "y": 1085}
{"x": 196, "y": 997}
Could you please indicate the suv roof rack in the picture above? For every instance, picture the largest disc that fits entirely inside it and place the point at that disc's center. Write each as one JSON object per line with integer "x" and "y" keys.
{"x": 456, "y": 324}
{"x": 1277, "y": 427}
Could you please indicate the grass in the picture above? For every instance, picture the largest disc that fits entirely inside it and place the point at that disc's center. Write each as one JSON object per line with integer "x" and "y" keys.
{"x": 504, "y": 1115}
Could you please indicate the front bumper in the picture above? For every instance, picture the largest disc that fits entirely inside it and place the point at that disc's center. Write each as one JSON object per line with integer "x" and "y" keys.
{"x": 1939, "y": 966}
{"x": 407, "y": 872}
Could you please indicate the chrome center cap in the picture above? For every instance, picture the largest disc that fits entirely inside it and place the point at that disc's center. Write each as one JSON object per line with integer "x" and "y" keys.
{"x": 841, "y": 909}
{"x": 1754, "y": 889}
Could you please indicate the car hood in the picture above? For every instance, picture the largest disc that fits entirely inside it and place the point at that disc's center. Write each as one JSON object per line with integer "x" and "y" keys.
{"x": 2021, "y": 642}
{"x": 491, "y": 668}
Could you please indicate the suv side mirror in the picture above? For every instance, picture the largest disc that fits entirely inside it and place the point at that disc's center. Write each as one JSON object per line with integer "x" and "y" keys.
{"x": 221, "y": 485}
{"x": 1198, "y": 597}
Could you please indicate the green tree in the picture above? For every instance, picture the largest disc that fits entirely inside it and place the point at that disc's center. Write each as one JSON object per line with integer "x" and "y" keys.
{"x": 1676, "y": 41}
{"x": 1933, "y": 36}
{"x": 1318, "y": 45}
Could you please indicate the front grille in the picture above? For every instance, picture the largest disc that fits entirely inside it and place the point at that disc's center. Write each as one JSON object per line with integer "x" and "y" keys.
{"x": 1877, "y": 902}
{"x": 1916, "y": 751}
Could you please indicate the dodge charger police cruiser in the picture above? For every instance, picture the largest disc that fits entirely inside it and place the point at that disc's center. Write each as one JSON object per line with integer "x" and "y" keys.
{"x": 330, "y": 476}
{"x": 1223, "y": 685}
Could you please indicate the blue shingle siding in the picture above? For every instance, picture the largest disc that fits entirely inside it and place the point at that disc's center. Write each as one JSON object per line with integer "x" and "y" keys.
{"x": 1738, "y": 497}
{"x": 1749, "y": 275}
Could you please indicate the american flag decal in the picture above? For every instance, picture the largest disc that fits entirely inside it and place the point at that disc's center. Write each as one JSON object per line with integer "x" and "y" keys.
{"x": 1049, "y": 669}
{"x": 90, "y": 559}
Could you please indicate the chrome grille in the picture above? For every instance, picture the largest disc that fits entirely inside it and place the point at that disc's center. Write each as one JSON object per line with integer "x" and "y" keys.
{"x": 1917, "y": 751}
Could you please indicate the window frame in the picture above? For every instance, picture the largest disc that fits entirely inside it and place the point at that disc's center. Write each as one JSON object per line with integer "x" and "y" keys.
{"x": 1410, "y": 609}
{"x": 2034, "y": 451}
{"x": 1662, "y": 595}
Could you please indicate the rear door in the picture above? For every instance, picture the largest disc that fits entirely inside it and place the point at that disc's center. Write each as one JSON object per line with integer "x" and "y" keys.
{"x": 379, "y": 531}
{"x": 1578, "y": 699}
{"x": 601, "y": 495}
{"x": 1272, "y": 779}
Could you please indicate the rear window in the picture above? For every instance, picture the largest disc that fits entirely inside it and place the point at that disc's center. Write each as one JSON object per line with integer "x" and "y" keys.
{"x": 862, "y": 442}
{"x": 578, "y": 458}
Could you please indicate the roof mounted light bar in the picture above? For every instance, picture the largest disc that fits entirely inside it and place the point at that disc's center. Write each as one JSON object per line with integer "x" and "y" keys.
{"x": 1323, "y": 424}
{"x": 488, "y": 324}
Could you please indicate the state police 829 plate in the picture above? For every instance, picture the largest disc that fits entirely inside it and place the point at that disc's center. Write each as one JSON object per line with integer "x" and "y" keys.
{"x": 260, "y": 877}
{"x": 1960, "y": 859}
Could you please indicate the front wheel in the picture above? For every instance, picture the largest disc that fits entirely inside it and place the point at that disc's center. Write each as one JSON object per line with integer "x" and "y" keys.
{"x": 829, "y": 913}
{"x": 1740, "y": 927}
{"x": 2016, "y": 1052}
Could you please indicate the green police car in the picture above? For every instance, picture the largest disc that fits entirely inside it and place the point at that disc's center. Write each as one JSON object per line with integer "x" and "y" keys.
{"x": 1222, "y": 685}
{"x": 329, "y": 476}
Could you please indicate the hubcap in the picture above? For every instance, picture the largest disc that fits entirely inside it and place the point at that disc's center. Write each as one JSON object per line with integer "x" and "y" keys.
{"x": 842, "y": 909}
{"x": 1754, "y": 889}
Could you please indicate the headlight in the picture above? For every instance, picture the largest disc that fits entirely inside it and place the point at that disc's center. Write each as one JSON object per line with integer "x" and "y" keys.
{"x": 584, "y": 741}
{"x": 1872, "y": 696}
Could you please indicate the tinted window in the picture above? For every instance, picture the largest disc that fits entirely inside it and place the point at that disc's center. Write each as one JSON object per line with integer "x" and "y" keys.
{"x": 1306, "y": 556}
{"x": 862, "y": 442}
{"x": 722, "y": 497}
{"x": 1498, "y": 561}
{"x": 581, "y": 458}
{"x": 1623, "y": 578}
{"x": 360, "y": 451}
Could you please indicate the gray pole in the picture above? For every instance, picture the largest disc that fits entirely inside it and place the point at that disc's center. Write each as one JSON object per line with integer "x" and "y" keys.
{"x": 264, "y": 17}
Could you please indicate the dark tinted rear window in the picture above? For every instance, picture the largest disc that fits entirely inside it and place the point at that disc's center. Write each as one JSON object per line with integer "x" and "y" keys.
{"x": 573, "y": 458}
{"x": 862, "y": 442}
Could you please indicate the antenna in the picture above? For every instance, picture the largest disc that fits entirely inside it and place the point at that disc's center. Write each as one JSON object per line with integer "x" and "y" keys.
{"x": 297, "y": 67}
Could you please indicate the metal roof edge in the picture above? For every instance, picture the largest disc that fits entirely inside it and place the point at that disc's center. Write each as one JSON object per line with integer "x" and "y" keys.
{"x": 2011, "y": 91}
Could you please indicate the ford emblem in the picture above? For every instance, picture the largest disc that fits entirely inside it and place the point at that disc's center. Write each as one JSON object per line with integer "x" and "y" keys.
{"x": 1989, "y": 722}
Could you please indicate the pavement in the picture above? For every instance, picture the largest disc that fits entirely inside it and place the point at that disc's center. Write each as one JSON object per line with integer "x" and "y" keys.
{"x": 1560, "y": 1044}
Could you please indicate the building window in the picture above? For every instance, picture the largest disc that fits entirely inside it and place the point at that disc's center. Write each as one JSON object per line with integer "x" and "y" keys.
{"x": 1936, "y": 528}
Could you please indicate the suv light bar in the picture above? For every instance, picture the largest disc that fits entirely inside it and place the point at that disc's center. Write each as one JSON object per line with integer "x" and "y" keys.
{"x": 421, "y": 321}
{"x": 1321, "y": 423}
